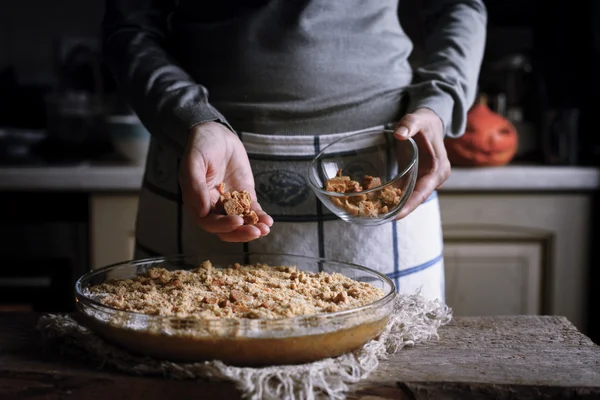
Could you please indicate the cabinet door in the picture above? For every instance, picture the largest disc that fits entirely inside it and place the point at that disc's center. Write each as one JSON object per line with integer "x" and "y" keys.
{"x": 493, "y": 278}
{"x": 500, "y": 232}
{"x": 112, "y": 228}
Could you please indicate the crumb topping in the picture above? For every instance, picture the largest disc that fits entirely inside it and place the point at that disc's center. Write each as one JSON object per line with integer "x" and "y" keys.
{"x": 370, "y": 204}
{"x": 238, "y": 291}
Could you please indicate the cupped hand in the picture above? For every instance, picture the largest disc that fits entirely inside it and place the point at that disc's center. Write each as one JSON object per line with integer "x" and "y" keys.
{"x": 213, "y": 155}
{"x": 427, "y": 130}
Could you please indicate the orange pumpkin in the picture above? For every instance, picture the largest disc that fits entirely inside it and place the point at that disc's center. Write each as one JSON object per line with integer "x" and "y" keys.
{"x": 489, "y": 140}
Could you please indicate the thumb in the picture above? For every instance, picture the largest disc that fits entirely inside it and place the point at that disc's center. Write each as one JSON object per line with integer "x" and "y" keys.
{"x": 407, "y": 127}
{"x": 201, "y": 193}
{"x": 194, "y": 190}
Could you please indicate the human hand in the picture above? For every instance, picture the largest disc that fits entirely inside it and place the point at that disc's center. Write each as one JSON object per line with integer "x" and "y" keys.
{"x": 213, "y": 155}
{"x": 427, "y": 130}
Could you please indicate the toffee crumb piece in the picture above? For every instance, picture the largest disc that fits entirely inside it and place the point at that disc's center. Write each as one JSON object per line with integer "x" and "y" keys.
{"x": 236, "y": 203}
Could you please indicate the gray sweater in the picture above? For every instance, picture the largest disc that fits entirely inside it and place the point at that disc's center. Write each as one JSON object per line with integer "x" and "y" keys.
{"x": 290, "y": 66}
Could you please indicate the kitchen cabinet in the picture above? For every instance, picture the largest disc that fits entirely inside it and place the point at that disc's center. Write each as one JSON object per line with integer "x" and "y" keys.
{"x": 112, "y": 228}
{"x": 511, "y": 254}
{"x": 488, "y": 279}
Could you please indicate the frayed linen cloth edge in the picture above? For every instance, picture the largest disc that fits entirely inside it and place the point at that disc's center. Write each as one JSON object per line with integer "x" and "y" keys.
{"x": 415, "y": 320}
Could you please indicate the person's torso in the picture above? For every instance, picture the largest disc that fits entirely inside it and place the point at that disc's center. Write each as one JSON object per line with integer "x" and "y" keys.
{"x": 296, "y": 66}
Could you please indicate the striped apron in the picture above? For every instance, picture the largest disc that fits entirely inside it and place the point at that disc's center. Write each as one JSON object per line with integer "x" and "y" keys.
{"x": 409, "y": 251}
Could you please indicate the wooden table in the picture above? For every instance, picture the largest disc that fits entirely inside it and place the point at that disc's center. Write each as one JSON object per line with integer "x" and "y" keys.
{"x": 522, "y": 357}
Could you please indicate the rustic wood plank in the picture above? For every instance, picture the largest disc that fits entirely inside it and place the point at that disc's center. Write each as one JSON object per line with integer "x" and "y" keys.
{"x": 517, "y": 357}
{"x": 28, "y": 371}
{"x": 523, "y": 357}
{"x": 48, "y": 386}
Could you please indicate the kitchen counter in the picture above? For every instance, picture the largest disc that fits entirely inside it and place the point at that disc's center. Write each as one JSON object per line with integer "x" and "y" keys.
{"x": 518, "y": 357}
{"x": 127, "y": 178}
{"x": 84, "y": 177}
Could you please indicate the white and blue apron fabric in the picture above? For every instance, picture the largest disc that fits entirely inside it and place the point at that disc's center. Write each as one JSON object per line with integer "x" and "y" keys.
{"x": 409, "y": 251}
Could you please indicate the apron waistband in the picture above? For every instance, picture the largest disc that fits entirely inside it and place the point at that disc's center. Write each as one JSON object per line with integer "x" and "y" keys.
{"x": 257, "y": 144}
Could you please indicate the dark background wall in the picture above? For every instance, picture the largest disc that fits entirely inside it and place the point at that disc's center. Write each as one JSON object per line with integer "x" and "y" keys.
{"x": 28, "y": 29}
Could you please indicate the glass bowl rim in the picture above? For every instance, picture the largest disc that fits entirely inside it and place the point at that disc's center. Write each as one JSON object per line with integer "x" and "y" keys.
{"x": 398, "y": 176}
{"x": 237, "y": 322}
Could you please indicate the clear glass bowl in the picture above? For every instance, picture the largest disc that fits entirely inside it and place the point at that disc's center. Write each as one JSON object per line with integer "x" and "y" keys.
{"x": 243, "y": 342}
{"x": 376, "y": 153}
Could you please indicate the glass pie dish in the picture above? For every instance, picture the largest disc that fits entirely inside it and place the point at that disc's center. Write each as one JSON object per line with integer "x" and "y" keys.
{"x": 236, "y": 341}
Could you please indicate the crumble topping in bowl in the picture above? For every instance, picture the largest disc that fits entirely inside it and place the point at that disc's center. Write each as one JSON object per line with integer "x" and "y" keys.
{"x": 370, "y": 204}
{"x": 238, "y": 291}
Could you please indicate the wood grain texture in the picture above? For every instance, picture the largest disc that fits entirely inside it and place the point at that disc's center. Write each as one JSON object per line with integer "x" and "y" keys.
{"x": 517, "y": 357}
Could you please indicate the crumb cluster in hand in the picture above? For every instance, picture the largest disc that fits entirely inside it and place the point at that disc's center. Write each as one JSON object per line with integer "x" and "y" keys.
{"x": 236, "y": 203}
{"x": 238, "y": 291}
{"x": 370, "y": 204}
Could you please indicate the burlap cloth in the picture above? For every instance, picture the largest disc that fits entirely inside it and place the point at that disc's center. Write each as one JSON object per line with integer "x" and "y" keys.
{"x": 415, "y": 320}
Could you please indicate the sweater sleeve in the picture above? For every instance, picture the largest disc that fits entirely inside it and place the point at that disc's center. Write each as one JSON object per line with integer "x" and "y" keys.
{"x": 446, "y": 81}
{"x": 166, "y": 99}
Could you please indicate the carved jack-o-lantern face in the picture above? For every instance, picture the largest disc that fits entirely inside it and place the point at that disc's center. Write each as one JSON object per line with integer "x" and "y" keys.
{"x": 489, "y": 140}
